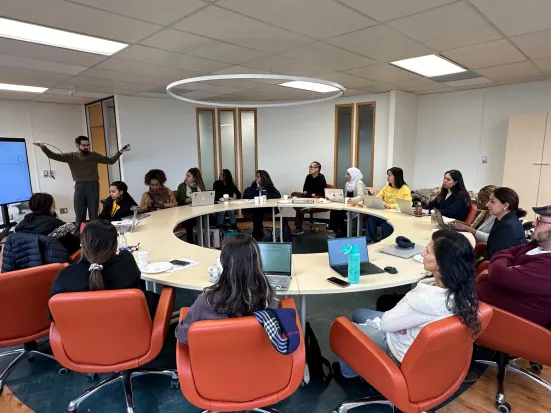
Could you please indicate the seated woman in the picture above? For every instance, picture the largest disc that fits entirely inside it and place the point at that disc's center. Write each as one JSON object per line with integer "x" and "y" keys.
{"x": 355, "y": 190}
{"x": 100, "y": 267}
{"x": 449, "y": 257}
{"x": 43, "y": 220}
{"x": 396, "y": 189}
{"x": 159, "y": 196}
{"x": 192, "y": 183}
{"x": 454, "y": 200}
{"x": 262, "y": 185}
{"x": 507, "y": 231}
{"x": 484, "y": 221}
{"x": 119, "y": 203}
{"x": 226, "y": 186}
{"x": 241, "y": 289}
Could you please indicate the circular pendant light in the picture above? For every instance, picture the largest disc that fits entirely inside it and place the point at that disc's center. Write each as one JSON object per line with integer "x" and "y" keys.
{"x": 318, "y": 87}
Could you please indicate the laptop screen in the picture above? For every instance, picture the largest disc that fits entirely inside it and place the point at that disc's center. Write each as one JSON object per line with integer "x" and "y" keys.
{"x": 335, "y": 246}
{"x": 276, "y": 257}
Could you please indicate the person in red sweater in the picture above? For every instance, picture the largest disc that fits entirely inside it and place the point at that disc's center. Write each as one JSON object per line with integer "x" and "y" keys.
{"x": 519, "y": 278}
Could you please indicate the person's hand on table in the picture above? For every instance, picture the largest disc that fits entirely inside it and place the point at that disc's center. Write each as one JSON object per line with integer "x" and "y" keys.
{"x": 387, "y": 206}
{"x": 188, "y": 200}
{"x": 149, "y": 203}
{"x": 426, "y": 212}
{"x": 352, "y": 202}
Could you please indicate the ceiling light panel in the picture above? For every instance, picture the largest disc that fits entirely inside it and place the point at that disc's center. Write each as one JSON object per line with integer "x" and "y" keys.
{"x": 429, "y": 66}
{"x": 310, "y": 86}
{"x": 22, "y": 88}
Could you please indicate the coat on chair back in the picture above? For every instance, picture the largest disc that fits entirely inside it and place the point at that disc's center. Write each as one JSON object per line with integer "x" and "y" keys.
{"x": 23, "y": 250}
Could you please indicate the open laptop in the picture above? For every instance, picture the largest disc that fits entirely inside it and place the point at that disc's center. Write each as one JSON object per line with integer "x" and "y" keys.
{"x": 334, "y": 195}
{"x": 405, "y": 207}
{"x": 374, "y": 202}
{"x": 338, "y": 261}
{"x": 442, "y": 221}
{"x": 276, "y": 263}
{"x": 202, "y": 198}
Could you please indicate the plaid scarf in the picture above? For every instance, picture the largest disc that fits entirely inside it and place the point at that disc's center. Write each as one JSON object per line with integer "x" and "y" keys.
{"x": 277, "y": 322}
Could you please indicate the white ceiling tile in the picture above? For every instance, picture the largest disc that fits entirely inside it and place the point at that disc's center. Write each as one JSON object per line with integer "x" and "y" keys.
{"x": 231, "y": 27}
{"x": 125, "y": 76}
{"x": 42, "y": 65}
{"x": 65, "y": 92}
{"x": 205, "y": 87}
{"x": 240, "y": 70}
{"x": 448, "y": 27}
{"x": 156, "y": 11}
{"x": 495, "y": 53}
{"x": 392, "y": 9}
{"x": 320, "y": 19}
{"x": 174, "y": 62}
{"x": 48, "y": 53}
{"x": 379, "y": 88}
{"x": 65, "y": 100}
{"x": 421, "y": 84}
{"x": 353, "y": 92}
{"x": 31, "y": 74}
{"x": 526, "y": 80}
{"x": 79, "y": 19}
{"x": 535, "y": 45}
{"x": 544, "y": 65}
{"x": 286, "y": 66}
{"x": 380, "y": 43}
{"x": 326, "y": 55}
{"x": 470, "y": 82}
{"x": 200, "y": 95}
{"x": 4, "y": 94}
{"x": 79, "y": 81}
{"x": 384, "y": 73}
{"x": 106, "y": 90}
{"x": 154, "y": 95}
{"x": 141, "y": 68}
{"x": 515, "y": 17}
{"x": 191, "y": 44}
{"x": 515, "y": 71}
{"x": 347, "y": 80}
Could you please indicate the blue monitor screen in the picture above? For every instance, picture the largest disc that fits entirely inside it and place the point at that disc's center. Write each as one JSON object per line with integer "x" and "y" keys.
{"x": 335, "y": 246}
{"x": 15, "y": 178}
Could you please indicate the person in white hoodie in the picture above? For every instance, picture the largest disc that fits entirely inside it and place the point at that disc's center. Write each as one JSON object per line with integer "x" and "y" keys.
{"x": 449, "y": 257}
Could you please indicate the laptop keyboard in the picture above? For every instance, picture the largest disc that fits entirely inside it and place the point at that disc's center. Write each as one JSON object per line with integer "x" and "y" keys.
{"x": 279, "y": 282}
{"x": 366, "y": 268}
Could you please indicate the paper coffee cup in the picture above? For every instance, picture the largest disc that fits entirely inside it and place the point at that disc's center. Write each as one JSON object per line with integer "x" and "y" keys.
{"x": 256, "y": 200}
{"x": 286, "y": 197}
{"x": 143, "y": 259}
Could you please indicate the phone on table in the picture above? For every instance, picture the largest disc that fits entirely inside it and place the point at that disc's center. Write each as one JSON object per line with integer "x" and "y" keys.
{"x": 338, "y": 281}
{"x": 180, "y": 263}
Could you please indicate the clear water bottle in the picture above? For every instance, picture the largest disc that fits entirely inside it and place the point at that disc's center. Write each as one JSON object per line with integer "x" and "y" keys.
{"x": 353, "y": 263}
{"x": 122, "y": 242}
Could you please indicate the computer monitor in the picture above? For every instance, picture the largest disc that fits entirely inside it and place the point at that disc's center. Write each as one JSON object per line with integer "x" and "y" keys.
{"x": 14, "y": 164}
{"x": 276, "y": 257}
{"x": 336, "y": 245}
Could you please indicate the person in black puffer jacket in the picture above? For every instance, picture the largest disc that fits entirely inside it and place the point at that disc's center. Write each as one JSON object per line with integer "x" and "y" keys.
{"x": 43, "y": 220}
{"x": 119, "y": 204}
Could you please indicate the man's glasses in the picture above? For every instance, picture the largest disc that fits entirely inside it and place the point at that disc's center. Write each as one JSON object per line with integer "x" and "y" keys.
{"x": 313, "y": 167}
{"x": 539, "y": 221}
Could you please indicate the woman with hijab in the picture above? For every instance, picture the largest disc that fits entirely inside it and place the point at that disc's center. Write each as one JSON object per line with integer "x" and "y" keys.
{"x": 159, "y": 196}
{"x": 354, "y": 190}
{"x": 484, "y": 221}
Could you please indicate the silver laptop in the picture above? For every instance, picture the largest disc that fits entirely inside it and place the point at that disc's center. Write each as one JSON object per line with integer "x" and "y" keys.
{"x": 442, "y": 220}
{"x": 334, "y": 195}
{"x": 374, "y": 202}
{"x": 202, "y": 198}
{"x": 405, "y": 207}
{"x": 276, "y": 263}
{"x": 403, "y": 252}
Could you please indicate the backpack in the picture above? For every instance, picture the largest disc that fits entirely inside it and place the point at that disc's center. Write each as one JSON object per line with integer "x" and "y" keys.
{"x": 317, "y": 364}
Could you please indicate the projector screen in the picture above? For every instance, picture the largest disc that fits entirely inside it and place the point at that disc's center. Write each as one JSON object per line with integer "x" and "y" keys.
{"x": 15, "y": 178}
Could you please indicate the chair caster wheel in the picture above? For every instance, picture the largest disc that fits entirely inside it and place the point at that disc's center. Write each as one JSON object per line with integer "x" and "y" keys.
{"x": 92, "y": 376}
{"x": 62, "y": 371}
{"x": 536, "y": 367}
{"x": 174, "y": 384}
{"x": 504, "y": 407}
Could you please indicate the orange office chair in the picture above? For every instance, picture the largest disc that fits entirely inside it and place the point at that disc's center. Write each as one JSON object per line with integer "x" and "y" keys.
{"x": 432, "y": 370}
{"x": 512, "y": 335}
{"x": 479, "y": 249}
{"x": 24, "y": 307}
{"x": 471, "y": 214}
{"x": 312, "y": 211}
{"x": 230, "y": 365}
{"x": 75, "y": 257}
{"x": 109, "y": 331}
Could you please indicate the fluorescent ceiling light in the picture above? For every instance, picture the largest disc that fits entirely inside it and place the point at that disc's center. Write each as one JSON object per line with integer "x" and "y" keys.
{"x": 33, "y": 33}
{"x": 310, "y": 86}
{"x": 429, "y": 66}
{"x": 22, "y": 88}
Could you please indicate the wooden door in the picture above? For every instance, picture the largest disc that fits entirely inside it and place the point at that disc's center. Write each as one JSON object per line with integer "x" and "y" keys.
{"x": 544, "y": 195}
{"x": 97, "y": 139}
{"x": 525, "y": 140}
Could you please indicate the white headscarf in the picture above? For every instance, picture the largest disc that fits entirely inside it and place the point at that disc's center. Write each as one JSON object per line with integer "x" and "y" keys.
{"x": 356, "y": 175}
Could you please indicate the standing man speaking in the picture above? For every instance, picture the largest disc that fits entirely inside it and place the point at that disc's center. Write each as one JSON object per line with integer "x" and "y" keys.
{"x": 84, "y": 169}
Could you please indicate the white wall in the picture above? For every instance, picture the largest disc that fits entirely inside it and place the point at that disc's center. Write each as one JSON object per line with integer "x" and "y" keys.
{"x": 402, "y": 132}
{"x": 454, "y": 130}
{"x": 52, "y": 123}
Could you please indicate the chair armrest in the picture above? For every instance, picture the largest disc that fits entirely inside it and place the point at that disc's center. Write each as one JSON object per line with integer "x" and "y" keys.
{"x": 287, "y": 303}
{"x": 183, "y": 312}
{"x": 352, "y": 346}
{"x": 163, "y": 315}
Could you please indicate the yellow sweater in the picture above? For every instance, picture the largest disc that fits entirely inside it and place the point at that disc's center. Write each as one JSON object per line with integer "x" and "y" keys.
{"x": 390, "y": 194}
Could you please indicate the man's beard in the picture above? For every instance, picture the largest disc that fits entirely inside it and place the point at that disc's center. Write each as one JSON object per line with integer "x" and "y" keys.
{"x": 85, "y": 151}
{"x": 542, "y": 238}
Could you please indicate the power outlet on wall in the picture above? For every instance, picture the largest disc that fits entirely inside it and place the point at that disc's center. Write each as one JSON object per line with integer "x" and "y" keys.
{"x": 63, "y": 211}
{"x": 484, "y": 159}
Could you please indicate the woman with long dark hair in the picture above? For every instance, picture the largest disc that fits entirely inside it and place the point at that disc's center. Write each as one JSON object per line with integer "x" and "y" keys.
{"x": 241, "y": 289}
{"x": 159, "y": 196}
{"x": 396, "y": 189}
{"x": 449, "y": 257}
{"x": 192, "y": 183}
{"x": 43, "y": 220}
{"x": 119, "y": 203}
{"x": 454, "y": 200}
{"x": 100, "y": 268}
{"x": 226, "y": 186}
{"x": 262, "y": 185}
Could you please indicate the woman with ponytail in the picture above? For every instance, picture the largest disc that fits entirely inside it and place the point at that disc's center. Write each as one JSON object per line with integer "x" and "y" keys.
{"x": 101, "y": 268}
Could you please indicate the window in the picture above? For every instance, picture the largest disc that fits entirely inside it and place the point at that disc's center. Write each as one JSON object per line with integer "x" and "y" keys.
{"x": 365, "y": 140}
{"x": 343, "y": 142}
{"x": 206, "y": 145}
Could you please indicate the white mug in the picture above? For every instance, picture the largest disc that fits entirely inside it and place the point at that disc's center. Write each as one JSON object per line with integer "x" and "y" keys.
{"x": 143, "y": 259}
{"x": 285, "y": 197}
{"x": 256, "y": 199}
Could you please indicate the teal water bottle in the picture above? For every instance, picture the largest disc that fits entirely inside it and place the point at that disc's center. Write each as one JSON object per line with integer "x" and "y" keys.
{"x": 353, "y": 263}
